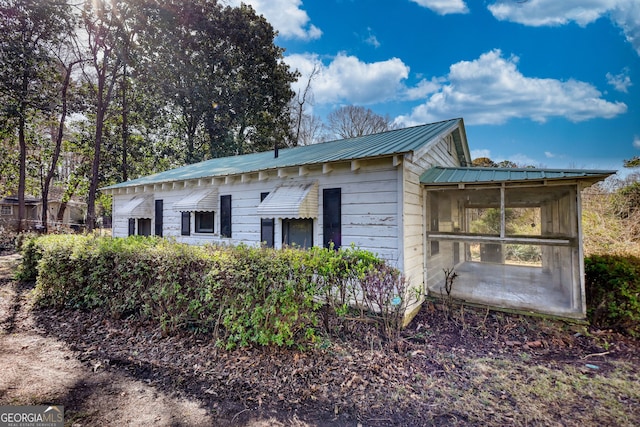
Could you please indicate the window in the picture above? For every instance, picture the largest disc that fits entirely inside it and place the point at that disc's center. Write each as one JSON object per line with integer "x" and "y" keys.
{"x": 266, "y": 227}
{"x": 186, "y": 224}
{"x": 332, "y": 217}
{"x": 132, "y": 226}
{"x": 225, "y": 216}
{"x": 158, "y": 212}
{"x": 6, "y": 210}
{"x": 297, "y": 232}
{"x": 204, "y": 222}
{"x": 144, "y": 226}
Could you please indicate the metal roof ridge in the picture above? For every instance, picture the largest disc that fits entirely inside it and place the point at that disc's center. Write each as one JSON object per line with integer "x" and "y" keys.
{"x": 346, "y": 149}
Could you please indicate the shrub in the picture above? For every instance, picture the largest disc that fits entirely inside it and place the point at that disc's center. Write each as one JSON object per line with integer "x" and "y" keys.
{"x": 613, "y": 292}
{"x": 7, "y": 241}
{"x": 240, "y": 295}
{"x": 269, "y": 297}
{"x": 31, "y": 250}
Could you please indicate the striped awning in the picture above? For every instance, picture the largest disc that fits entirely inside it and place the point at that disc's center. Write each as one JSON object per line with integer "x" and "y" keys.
{"x": 137, "y": 207}
{"x": 293, "y": 200}
{"x": 198, "y": 201}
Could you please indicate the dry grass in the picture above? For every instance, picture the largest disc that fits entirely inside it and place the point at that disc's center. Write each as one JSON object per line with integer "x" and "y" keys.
{"x": 605, "y": 230}
{"x": 508, "y": 392}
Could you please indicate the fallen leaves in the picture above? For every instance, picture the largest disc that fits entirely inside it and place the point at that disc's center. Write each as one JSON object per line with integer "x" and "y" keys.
{"x": 347, "y": 381}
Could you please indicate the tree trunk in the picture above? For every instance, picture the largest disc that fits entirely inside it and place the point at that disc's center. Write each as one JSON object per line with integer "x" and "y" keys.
{"x": 23, "y": 171}
{"x": 95, "y": 166}
{"x": 71, "y": 189}
{"x": 125, "y": 125}
{"x": 56, "y": 150}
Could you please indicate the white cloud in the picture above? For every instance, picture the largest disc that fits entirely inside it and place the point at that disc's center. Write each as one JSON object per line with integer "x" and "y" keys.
{"x": 423, "y": 89}
{"x": 522, "y": 160}
{"x": 624, "y": 13}
{"x": 372, "y": 39}
{"x": 491, "y": 90}
{"x": 346, "y": 79}
{"x": 444, "y": 7}
{"x": 549, "y": 155}
{"x": 286, "y": 16}
{"x": 620, "y": 82}
{"x": 627, "y": 17}
{"x": 476, "y": 154}
{"x": 636, "y": 141}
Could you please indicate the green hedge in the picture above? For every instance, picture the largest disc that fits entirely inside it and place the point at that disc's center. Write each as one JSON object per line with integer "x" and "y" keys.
{"x": 242, "y": 295}
{"x": 613, "y": 292}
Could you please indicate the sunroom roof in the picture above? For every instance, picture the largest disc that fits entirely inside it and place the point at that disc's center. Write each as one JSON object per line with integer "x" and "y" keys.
{"x": 439, "y": 175}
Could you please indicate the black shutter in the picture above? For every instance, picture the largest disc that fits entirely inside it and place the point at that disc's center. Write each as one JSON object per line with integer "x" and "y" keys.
{"x": 132, "y": 226}
{"x": 186, "y": 224}
{"x": 332, "y": 217}
{"x": 225, "y": 216}
{"x": 266, "y": 227}
{"x": 159, "y": 213}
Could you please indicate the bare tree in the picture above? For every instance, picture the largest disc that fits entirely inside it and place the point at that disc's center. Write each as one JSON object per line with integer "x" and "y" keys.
{"x": 352, "y": 121}
{"x": 312, "y": 130}
{"x": 300, "y": 118}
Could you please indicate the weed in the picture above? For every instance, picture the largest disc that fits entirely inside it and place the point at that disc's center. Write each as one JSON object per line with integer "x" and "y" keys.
{"x": 613, "y": 292}
{"x": 449, "y": 278}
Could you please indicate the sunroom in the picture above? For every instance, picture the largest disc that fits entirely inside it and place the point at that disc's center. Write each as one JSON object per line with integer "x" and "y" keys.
{"x": 509, "y": 238}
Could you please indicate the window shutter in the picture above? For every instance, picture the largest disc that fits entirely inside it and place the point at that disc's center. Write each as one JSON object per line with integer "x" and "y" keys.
{"x": 225, "y": 216}
{"x": 186, "y": 224}
{"x": 332, "y": 217}
{"x": 159, "y": 217}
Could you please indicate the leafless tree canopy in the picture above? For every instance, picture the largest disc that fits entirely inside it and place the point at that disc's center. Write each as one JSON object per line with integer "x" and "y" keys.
{"x": 352, "y": 121}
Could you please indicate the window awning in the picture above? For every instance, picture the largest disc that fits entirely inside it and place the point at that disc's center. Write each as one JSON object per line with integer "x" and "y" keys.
{"x": 198, "y": 201}
{"x": 138, "y": 207}
{"x": 295, "y": 200}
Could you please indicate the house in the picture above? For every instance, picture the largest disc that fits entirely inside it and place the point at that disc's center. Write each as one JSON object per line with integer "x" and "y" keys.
{"x": 64, "y": 213}
{"x": 73, "y": 214}
{"x": 408, "y": 195}
{"x": 9, "y": 211}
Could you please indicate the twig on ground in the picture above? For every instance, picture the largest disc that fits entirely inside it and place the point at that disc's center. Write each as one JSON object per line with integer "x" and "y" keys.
{"x": 604, "y": 353}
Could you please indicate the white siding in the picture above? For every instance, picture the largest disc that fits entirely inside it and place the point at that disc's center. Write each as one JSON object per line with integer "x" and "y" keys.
{"x": 382, "y": 202}
{"x": 440, "y": 153}
{"x": 369, "y": 207}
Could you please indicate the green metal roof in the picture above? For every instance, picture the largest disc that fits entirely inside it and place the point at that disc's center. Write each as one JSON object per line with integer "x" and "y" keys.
{"x": 389, "y": 143}
{"x": 470, "y": 175}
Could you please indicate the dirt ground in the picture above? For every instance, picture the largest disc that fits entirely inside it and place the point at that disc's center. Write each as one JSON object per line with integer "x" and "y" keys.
{"x": 477, "y": 367}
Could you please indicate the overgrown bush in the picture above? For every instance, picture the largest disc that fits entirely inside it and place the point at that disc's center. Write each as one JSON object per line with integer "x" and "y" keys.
{"x": 357, "y": 287}
{"x": 31, "y": 251}
{"x": 7, "y": 241}
{"x": 241, "y": 295}
{"x": 613, "y": 292}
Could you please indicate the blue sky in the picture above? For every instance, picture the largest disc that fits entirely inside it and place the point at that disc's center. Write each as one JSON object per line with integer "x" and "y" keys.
{"x": 546, "y": 83}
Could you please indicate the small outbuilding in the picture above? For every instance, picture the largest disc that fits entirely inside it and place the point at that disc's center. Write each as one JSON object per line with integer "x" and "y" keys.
{"x": 73, "y": 213}
{"x": 9, "y": 212}
{"x": 408, "y": 195}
